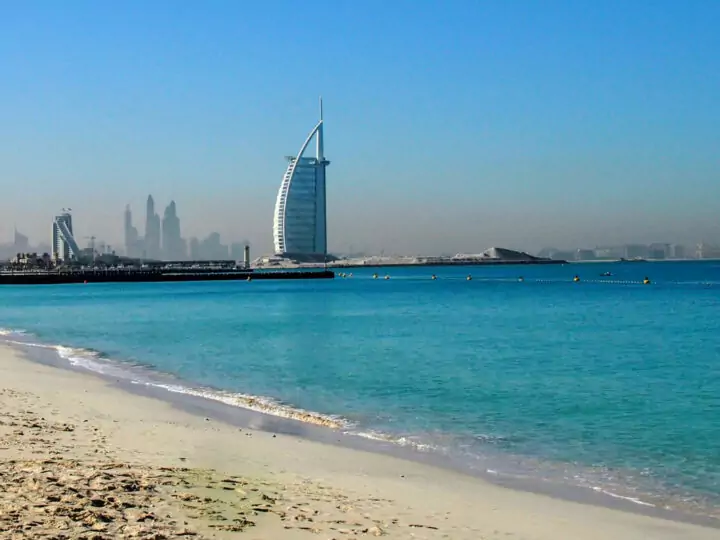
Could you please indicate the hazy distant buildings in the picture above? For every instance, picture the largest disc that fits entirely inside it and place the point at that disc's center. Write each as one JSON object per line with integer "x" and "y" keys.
{"x": 636, "y": 251}
{"x": 21, "y": 243}
{"x": 173, "y": 246}
{"x": 585, "y": 255}
{"x": 609, "y": 252}
{"x": 300, "y": 217}
{"x": 707, "y": 251}
{"x": 557, "y": 254}
{"x": 659, "y": 251}
{"x": 212, "y": 249}
{"x": 162, "y": 238}
{"x": 194, "y": 246}
{"x": 208, "y": 249}
{"x": 152, "y": 231}
{"x": 237, "y": 250}
{"x": 655, "y": 251}
{"x": 678, "y": 252}
{"x": 133, "y": 242}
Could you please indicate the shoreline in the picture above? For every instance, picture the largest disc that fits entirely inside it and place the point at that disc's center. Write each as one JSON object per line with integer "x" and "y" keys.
{"x": 333, "y": 443}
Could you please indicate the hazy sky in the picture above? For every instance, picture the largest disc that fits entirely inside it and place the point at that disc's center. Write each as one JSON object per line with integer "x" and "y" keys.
{"x": 451, "y": 126}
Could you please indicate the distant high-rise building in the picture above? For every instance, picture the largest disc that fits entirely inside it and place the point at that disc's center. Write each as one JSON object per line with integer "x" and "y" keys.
{"x": 678, "y": 251}
{"x": 300, "y": 217}
{"x": 132, "y": 239}
{"x": 212, "y": 250}
{"x": 172, "y": 243}
{"x": 21, "y": 242}
{"x": 237, "y": 250}
{"x": 585, "y": 255}
{"x": 63, "y": 242}
{"x": 659, "y": 251}
{"x": 195, "y": 249}
{"x": 152, "y": 231}
{"x": 636, "y": 251}
{"x": 707, "y": 251}
{"x": 609, "y": 252}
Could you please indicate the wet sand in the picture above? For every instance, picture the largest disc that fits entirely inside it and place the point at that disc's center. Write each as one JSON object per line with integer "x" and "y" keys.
{"x": 80, "y": 458}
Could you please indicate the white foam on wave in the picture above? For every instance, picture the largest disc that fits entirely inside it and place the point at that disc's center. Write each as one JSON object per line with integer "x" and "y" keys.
{"x": 93, "y": 361}
{"x": 394, "y": 439}
{"x": 255, "y": 403}
{"x": 90, "y": 360}
{"x": 28, "y": 344}
{"x": 12, "y": 332}
{"x": 623, "y": 497}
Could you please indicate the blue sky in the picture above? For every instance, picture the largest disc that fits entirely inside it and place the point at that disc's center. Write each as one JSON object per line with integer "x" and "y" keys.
{"x": 451, "y": 126}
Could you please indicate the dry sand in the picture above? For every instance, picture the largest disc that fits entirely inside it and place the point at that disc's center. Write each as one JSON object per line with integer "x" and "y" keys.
{"x": 82, "y": 459}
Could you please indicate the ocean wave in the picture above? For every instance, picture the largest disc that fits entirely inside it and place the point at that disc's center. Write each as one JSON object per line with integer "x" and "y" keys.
{"x": 12, "y": 332}
{"x": 92, "y": 360}
{"x": 623, "y": 497}
{"x": 259, "y": 404}
{"x": 398, "y": 440}
{"x": 95, "y": 361}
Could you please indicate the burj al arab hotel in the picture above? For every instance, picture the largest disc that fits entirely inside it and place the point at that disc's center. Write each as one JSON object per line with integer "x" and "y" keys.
{"x": 300, "y": 218}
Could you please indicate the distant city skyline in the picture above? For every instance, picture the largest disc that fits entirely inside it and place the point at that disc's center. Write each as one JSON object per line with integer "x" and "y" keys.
{"x": 163, "y": 240}
{"x": 455, "y": 126}
{"x": 172, "y": 246}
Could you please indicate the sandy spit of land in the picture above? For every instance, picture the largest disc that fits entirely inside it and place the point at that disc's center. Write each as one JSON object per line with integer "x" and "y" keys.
{"x": 80, "y": 458}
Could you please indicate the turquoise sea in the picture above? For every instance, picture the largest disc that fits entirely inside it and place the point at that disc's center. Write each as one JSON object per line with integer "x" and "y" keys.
{"x": 607, "y": 384}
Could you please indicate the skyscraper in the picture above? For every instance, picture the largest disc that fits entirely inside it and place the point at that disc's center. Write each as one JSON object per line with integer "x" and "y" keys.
{"x": 21, "y": 242}
{"x": 194, "y": 249}
{"x": 152, "y": 231}
{"x": 131, "y": 235}
{"x": 300, "y": 218}
{"x": 63, "y": 243}
{"x": 172, "y": 243}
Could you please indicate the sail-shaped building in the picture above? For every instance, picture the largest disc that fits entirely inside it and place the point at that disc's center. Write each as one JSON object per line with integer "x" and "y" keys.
{"x": 300, "y": 218}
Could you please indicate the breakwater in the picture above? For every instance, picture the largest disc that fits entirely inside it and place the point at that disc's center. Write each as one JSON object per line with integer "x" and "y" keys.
{"x": 151, "y": 275}
{"x": 461, "y": 262}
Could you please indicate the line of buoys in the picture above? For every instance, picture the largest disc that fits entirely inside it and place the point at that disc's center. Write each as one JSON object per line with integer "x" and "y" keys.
{"x": 612, "y": 282}
{"x": 521, "y": 279}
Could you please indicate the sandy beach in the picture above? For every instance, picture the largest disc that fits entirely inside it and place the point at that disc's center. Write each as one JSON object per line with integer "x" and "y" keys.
{"x": 80, "y": 458}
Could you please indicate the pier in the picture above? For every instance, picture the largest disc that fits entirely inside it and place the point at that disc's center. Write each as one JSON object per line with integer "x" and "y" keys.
{"x": 150, "y": 275}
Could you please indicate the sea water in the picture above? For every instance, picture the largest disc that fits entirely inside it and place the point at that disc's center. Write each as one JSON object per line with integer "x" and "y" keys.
{"x": 606, "y": 383}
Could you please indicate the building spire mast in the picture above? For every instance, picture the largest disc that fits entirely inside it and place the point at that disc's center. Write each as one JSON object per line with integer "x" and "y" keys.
{"x": 319, "y": 137}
